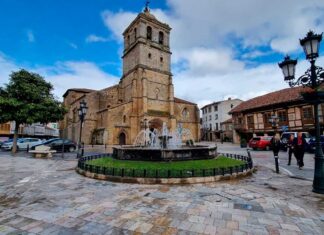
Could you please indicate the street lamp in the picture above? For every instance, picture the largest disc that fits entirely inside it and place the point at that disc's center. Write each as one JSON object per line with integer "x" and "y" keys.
{"x": 82, "y": 111}
{"x": 312, "y": 78}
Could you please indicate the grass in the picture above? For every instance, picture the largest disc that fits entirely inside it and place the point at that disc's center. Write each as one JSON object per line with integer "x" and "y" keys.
{"x": 220, "y": 162}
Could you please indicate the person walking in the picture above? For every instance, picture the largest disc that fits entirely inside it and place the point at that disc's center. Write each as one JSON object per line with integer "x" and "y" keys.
{"x": 290, "y": 148}
{"x": 275, "y": 144}
{"x": 299, "y": 144}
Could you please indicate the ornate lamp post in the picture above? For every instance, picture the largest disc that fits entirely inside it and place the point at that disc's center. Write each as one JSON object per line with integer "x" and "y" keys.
{"x": 312, "y": 78}
{"x": 82, "y": 111}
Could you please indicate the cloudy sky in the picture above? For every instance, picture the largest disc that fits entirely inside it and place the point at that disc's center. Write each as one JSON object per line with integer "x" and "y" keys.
{"x": 221, "y": 48}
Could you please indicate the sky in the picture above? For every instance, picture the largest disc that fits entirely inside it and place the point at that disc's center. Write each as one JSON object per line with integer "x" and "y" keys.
{"x": 221, "y": 48}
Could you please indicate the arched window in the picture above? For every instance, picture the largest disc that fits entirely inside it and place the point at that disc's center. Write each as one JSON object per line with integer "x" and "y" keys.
{"x": 161, "y": 59}
{"x": 161, "y": 38}
{"x": 149, "y": 55}
{"x": 149, "y": 33}
{"x": 185, "y": 113}
{"x": 124, "y": 119}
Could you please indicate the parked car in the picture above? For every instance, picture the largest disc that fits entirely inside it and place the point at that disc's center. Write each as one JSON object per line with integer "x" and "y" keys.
{"x": 57, "y": 144}
{"x": 286, "y": 135}
{"x": 312, "y": 144}
{"x": 22, "y": 143}
{"x": 260, "y": 142}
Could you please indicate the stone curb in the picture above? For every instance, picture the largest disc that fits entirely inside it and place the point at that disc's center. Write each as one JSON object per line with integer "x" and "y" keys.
{"x": 192, "y": 180}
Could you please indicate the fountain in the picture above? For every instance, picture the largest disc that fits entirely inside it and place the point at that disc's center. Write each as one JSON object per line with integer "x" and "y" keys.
{"x": 154, "y": 145}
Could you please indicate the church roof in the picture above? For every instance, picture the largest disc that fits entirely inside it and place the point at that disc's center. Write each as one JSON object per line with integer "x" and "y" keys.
{"x": 81, "y": 90}
{"x": 177, "y": 100}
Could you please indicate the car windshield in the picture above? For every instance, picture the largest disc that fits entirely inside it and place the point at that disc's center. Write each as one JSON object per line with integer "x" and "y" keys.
{"x": 256, "y": 138}
{"x": 267, "y": 138}
{"x": 49, "y": 141}
{"x": 306, "y": 135}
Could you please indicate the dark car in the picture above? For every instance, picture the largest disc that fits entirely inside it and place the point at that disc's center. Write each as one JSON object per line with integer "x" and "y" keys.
{"x": 286, "y": 135}
{"x": 312, "y": 144}
{"x": 57, "y": 144}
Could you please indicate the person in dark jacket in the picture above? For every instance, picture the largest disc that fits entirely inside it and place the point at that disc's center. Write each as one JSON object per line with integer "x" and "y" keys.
{"x": 275, "y": 144}
{"x": 290, "y": 148}
{"x": 299, "y": 145}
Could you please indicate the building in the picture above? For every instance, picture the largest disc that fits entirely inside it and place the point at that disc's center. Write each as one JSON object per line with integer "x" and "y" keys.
{"x": 292, "y": 113}
{"x": 227, "y": 130}
{"x": 145, "y": 92}
{"x": 213, "y": 115}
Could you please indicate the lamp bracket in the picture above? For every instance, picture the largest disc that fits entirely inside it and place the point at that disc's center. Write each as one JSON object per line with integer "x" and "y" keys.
{"x": 306, "y": 79}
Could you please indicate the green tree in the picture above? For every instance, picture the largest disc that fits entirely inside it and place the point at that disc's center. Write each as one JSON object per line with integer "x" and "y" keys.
{"x": 27, "y": 99}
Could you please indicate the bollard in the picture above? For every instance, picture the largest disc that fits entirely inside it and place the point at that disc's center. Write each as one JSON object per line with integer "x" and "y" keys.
{"x": 277, "y": 164}
{"x": 27, "y": 148}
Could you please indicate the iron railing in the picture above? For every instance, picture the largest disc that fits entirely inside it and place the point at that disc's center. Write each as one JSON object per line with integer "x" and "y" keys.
{"x": 165, "y": 173}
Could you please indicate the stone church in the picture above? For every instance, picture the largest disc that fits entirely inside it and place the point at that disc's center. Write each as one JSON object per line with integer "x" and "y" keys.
{"x": 143, "y": 97}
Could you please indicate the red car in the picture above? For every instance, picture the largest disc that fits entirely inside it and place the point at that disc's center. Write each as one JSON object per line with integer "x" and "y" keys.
{"x": 260, "y": 142}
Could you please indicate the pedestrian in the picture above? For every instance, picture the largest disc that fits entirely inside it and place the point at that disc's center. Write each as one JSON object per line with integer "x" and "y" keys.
{"x": 299, "y": 145}
{"x": 290, "y": 148}
{"x": 275, "y": 144}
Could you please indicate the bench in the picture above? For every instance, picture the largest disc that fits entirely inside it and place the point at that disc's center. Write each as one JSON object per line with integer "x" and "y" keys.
{"x": 42, "y": 152}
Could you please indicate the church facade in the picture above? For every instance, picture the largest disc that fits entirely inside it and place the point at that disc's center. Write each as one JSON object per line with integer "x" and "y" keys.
{"x": 143, "y": 98}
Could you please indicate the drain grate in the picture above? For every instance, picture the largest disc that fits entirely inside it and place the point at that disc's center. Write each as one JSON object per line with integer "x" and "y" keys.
{"x": 248, "y": 207}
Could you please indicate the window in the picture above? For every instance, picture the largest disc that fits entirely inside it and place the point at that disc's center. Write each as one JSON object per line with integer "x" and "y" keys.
{"x": 149, "y": 33}
{"x": 209, "y": 109}
{"x": 266, "y": 118}
{"x": 128, "y": 40}
{"x": 210, "y": 126}
{"x": 240, "y": 120}
{"x": 209, "y": 117}
{"x": 216, "y": 126}
{"x": 215, "y": 108}
{"x": 216, "y": 116}
{"x": 161, "y": 37}
{"x": 185, "y": 113}
{"x": 250, "y": 121}
{"x": 206, "y": 118}
{"x": 308, "y": 113}
{"x": 282, "y": 115}
{"x": 135, "y": 33}
{"x": 161, "y": 59}
{"x": 124, "y": 119}
{"x": 149, "y": 55}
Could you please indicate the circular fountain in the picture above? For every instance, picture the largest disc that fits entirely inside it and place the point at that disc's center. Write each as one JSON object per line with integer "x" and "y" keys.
{"x": 153, "y": 145}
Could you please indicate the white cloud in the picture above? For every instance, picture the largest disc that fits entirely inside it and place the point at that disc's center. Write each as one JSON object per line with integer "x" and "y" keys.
{"x": 205, "y": 36}
{"x": 30, "y": 36}
{"x": 64, "y": 75}
{"x": 73, "y": 45}
{"x": 94, "y": 38}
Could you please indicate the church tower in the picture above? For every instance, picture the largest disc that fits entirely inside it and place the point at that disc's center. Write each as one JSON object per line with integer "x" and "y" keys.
{"x": 147, "y": 78}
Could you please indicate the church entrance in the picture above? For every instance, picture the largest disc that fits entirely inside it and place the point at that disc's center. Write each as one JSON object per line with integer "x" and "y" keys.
{"x": 156, "y": 123}
{"x": 122, "y": 138}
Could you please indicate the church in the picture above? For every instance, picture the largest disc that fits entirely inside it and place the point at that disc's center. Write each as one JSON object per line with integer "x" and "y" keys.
{"x": 143, "y": 98}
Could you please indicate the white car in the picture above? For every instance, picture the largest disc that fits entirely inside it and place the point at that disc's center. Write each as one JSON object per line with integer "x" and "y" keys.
{"x": 23, "y": 143}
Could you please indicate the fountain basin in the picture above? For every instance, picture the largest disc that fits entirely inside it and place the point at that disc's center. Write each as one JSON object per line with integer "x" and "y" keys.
{"x": 165, "y": 154}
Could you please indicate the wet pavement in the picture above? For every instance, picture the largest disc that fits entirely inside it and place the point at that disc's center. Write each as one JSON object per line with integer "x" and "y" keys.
{"x": 46, "y": 196}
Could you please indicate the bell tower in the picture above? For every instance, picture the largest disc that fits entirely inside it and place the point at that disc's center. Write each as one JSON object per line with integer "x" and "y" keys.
{"x": 146, "y": 44}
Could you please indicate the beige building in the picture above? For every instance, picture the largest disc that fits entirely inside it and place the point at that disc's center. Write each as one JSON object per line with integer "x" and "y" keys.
{"x": 145, "y": 91}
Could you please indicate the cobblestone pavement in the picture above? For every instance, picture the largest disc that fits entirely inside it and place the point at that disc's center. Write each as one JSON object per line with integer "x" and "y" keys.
{"x": 39, "y": 196}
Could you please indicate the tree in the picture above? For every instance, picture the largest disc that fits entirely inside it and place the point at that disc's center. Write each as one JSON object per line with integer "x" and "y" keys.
{"x": 27, "y": 99}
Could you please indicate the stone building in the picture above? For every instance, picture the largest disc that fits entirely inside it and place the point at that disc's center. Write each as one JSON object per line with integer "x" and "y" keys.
{"x": 293, "y": 114}
{"x": 213, "y": 115}
{"x": 145, "y": 91}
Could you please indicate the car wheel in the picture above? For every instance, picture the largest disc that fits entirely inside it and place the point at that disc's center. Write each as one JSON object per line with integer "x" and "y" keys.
{"x": 71, "y": 149}
{"x": 267, "y": 148}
